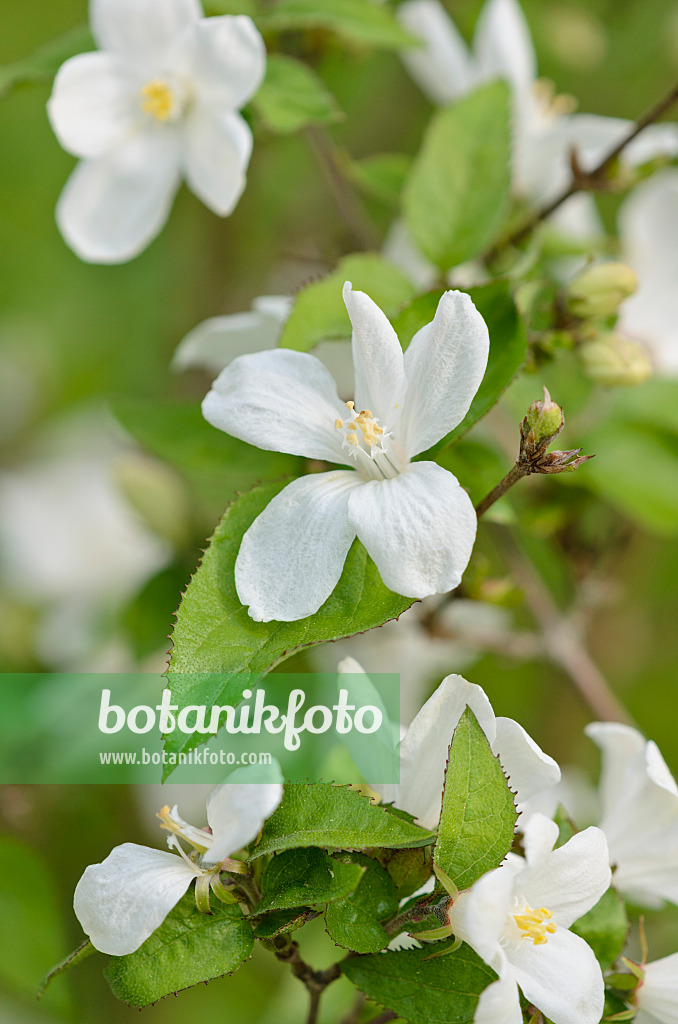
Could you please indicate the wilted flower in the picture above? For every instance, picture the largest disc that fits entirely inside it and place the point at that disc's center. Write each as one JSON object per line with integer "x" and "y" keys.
{"x": 159, "y": 101}
{"x": 415, "y": 520}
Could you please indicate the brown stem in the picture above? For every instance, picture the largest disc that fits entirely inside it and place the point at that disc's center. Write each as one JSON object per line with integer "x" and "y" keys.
{"x": 516, "y": 473}
{"x": 348, "y": 203}
{"x": 586, "y": 181}
{"x": 315, "y": 981}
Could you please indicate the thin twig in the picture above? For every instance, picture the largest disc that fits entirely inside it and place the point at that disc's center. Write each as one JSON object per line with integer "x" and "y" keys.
{"x": 315, "y": 982}
{"x": 516, "y": 473}
{"x": 587, "y": 181}
{"x": 562, "y": 644}
{"x": 348, "y": 202}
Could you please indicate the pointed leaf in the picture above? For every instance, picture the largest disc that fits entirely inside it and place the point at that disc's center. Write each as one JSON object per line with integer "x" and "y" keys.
{"x": 293, "y": 96}
{"x": 84, "y": 950}
{"x": 365, "y": 24}
{"x": 355, "y": 922}
{"x": 298, "y": 878}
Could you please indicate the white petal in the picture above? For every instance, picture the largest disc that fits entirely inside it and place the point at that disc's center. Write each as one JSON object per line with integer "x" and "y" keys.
{"x": 291, "y": 558}
{"x": 658, "y": 995}
{"x": 282, "y": 401}
{"x": 503, "y": 46}
{"x": 621, "y": 745}
{"x": 499, "y": 1003}
{"x": 141, "y": 29}
{"x": 112, "y": 207}
{"x": 561, "y": 977}
{"x": 529, "y": 769}
{"x": 572, "y": 879}
{"x": 419, "y": 528}
{"x": 479, "y": 915}
{"x": 442, "y": 67}
{"x": 121, "y": 901}
{"x": 227, "y": 60}
{"x": 236, "y": 813}
{"x": 92, "y": 106}
{"x": 424, "y": 750}
{"x": 218, "y": 149}
{"x": 377, "y": 357}
{"x": 444, "y": 365}
{"x": 216, "y": 342}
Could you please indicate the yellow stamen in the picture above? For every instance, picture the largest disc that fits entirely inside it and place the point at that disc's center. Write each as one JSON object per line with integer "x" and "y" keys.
{"x": 157, "y": 100}
{"x": 351, "y": 426}
{"x": 350, "y": 405}
{"x": 338, "y": 424}
{"x": 533, "y": 924}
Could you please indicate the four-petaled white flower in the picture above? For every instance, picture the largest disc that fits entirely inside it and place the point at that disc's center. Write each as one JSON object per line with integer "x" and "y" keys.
{"x": 517, "y": 919}
{"x": 639, "y": 814}
{"x": 122, "y": 901}
{"x": 544, "y": 129}
{"x": 158, "y": 101}
{"x": 424, "y": 751}
{"x": 415, "y": 520}
{"x": 657, "y": 995}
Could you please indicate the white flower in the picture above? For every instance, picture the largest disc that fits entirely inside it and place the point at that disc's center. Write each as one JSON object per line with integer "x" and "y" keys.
{"x": 517, "y": 919}
{"x": 648, "y": 228}
{"x": 545, "y": 129}
{"x": 640, "y": 814}
{"x": 414, "y": 518}
{"x": 122, "y": 901}
{"x": 424, "y": 751}
{"x": 657, "y": 995}
{"x": 159, "y": 101}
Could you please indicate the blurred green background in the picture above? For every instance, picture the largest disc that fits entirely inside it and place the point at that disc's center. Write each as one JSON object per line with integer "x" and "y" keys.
{"x": 75, "y": 338}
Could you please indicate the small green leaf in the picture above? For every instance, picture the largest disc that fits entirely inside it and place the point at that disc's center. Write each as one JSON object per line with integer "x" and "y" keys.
{"x": 43, "y": 64}
{"x": 187, "y": 948}
{"x": 334, "y": 816}
{"x": 354, "y": 922}
{"x": 301, "y": 877}
{"x": 84, "y": 950}
{"x": 442, "y": 990}
{"x": 457, "y": 195}
{"x": 319, "y": 312}
{"x": 282, "y": 921}
{"x": 605, "y": 928}
{"x": 382, "y": 176}
{"x": 365, "y": 24}
{"x": 293, "y": 96}
{"x": 409, "y": 869}
{"x": 478, "y": 815}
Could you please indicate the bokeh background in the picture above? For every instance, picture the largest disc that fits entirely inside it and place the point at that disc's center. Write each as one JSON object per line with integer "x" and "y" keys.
{"x": 99, "y": 534}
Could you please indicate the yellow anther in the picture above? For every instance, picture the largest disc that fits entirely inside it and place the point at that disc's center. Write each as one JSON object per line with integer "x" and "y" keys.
{"x": 338, "y": 424}
{"x": 157, "y": 100}
{"x": 351, "y": 426}
{"x": 533, "y": 924}
{"x": 352, "y": 439}
{"x": 166, "y": 819}
{"x": 350, "y": 405}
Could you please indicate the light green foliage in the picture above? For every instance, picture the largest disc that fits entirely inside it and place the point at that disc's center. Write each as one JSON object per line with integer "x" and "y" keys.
{"x": 334, "y": 816}
{"x": 214, "y": 633}
{"x": 478, "y": 814}
{"x": 354, "y": 922}
{"x": 44, "y": 62}
{"x": 422, "y": 990}
{"x": 298, "y": 878}
{"x": 84, "y": 950}
{"x": 293, "y": 96}
{"x": 358, "y": 22}
{"x": 319, "y": 312}
{"x": 605, "y": 928}
{"x": 187, "y": 948}
{"x": 382, "y": 176}
{"x": 457, "y": 195}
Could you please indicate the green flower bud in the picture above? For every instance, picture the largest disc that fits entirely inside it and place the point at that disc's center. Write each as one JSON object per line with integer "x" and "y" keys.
{"x": 544, "y": 420}
{"x": 600, "y": 290}
{"x": 615, "y": 361}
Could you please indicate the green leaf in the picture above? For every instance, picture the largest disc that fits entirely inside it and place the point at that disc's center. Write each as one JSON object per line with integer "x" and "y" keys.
{"x": 84, "y": 950}
{"x": 334, "y": 816}
{"x": 382, "y": 176}
{"x": 214, "y": 633}
{"x": 478, "y": 816}
{"x": 444, "y": 990}
{"x": 293, "y": 96}
{"x": 354, "y": 922}
{"x": 409, "y": 869}
{"x": 605, "y": 928}
{"x": 457, "y": 195}
{"x": 187, "y": 948}
{"x": 43, "y": 64}
{"x": 319, "y": 312}
{"x": 365, "y": 24}
{"x": 281, "y": 921}
{"x": 508, "y": 345}
{"x": 298, "y": 878}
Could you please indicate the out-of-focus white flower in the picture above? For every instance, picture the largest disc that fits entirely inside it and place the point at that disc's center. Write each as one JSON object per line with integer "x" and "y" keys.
{"x": 157, "y": 102}
{"x": 640, "y": 814}
{"x": 648, "y": 229}
{"x": 122, "y": 901}
{"x": 216, "y": 342}
{"x": 545, "y": 130}
{"x": 517, "y": 918}
{"x": 425, "y": 746}
{"x": 415, "y": 520}
{"x": 657, "y": 995}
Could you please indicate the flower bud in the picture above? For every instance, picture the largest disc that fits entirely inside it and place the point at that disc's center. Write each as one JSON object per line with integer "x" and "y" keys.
{"x": 544, "y": 420}
{"x": 600, "y": 290}
{"x": 615, "y": 361}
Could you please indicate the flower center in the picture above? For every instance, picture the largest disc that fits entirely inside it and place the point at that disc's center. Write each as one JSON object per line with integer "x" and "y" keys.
{"x": 551, "y": 104}
{"x": 536, "y": 925}
{"x": 364, "y": 440}
{"x": 196, "y": 837}
{"x": 160, "y": 100}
